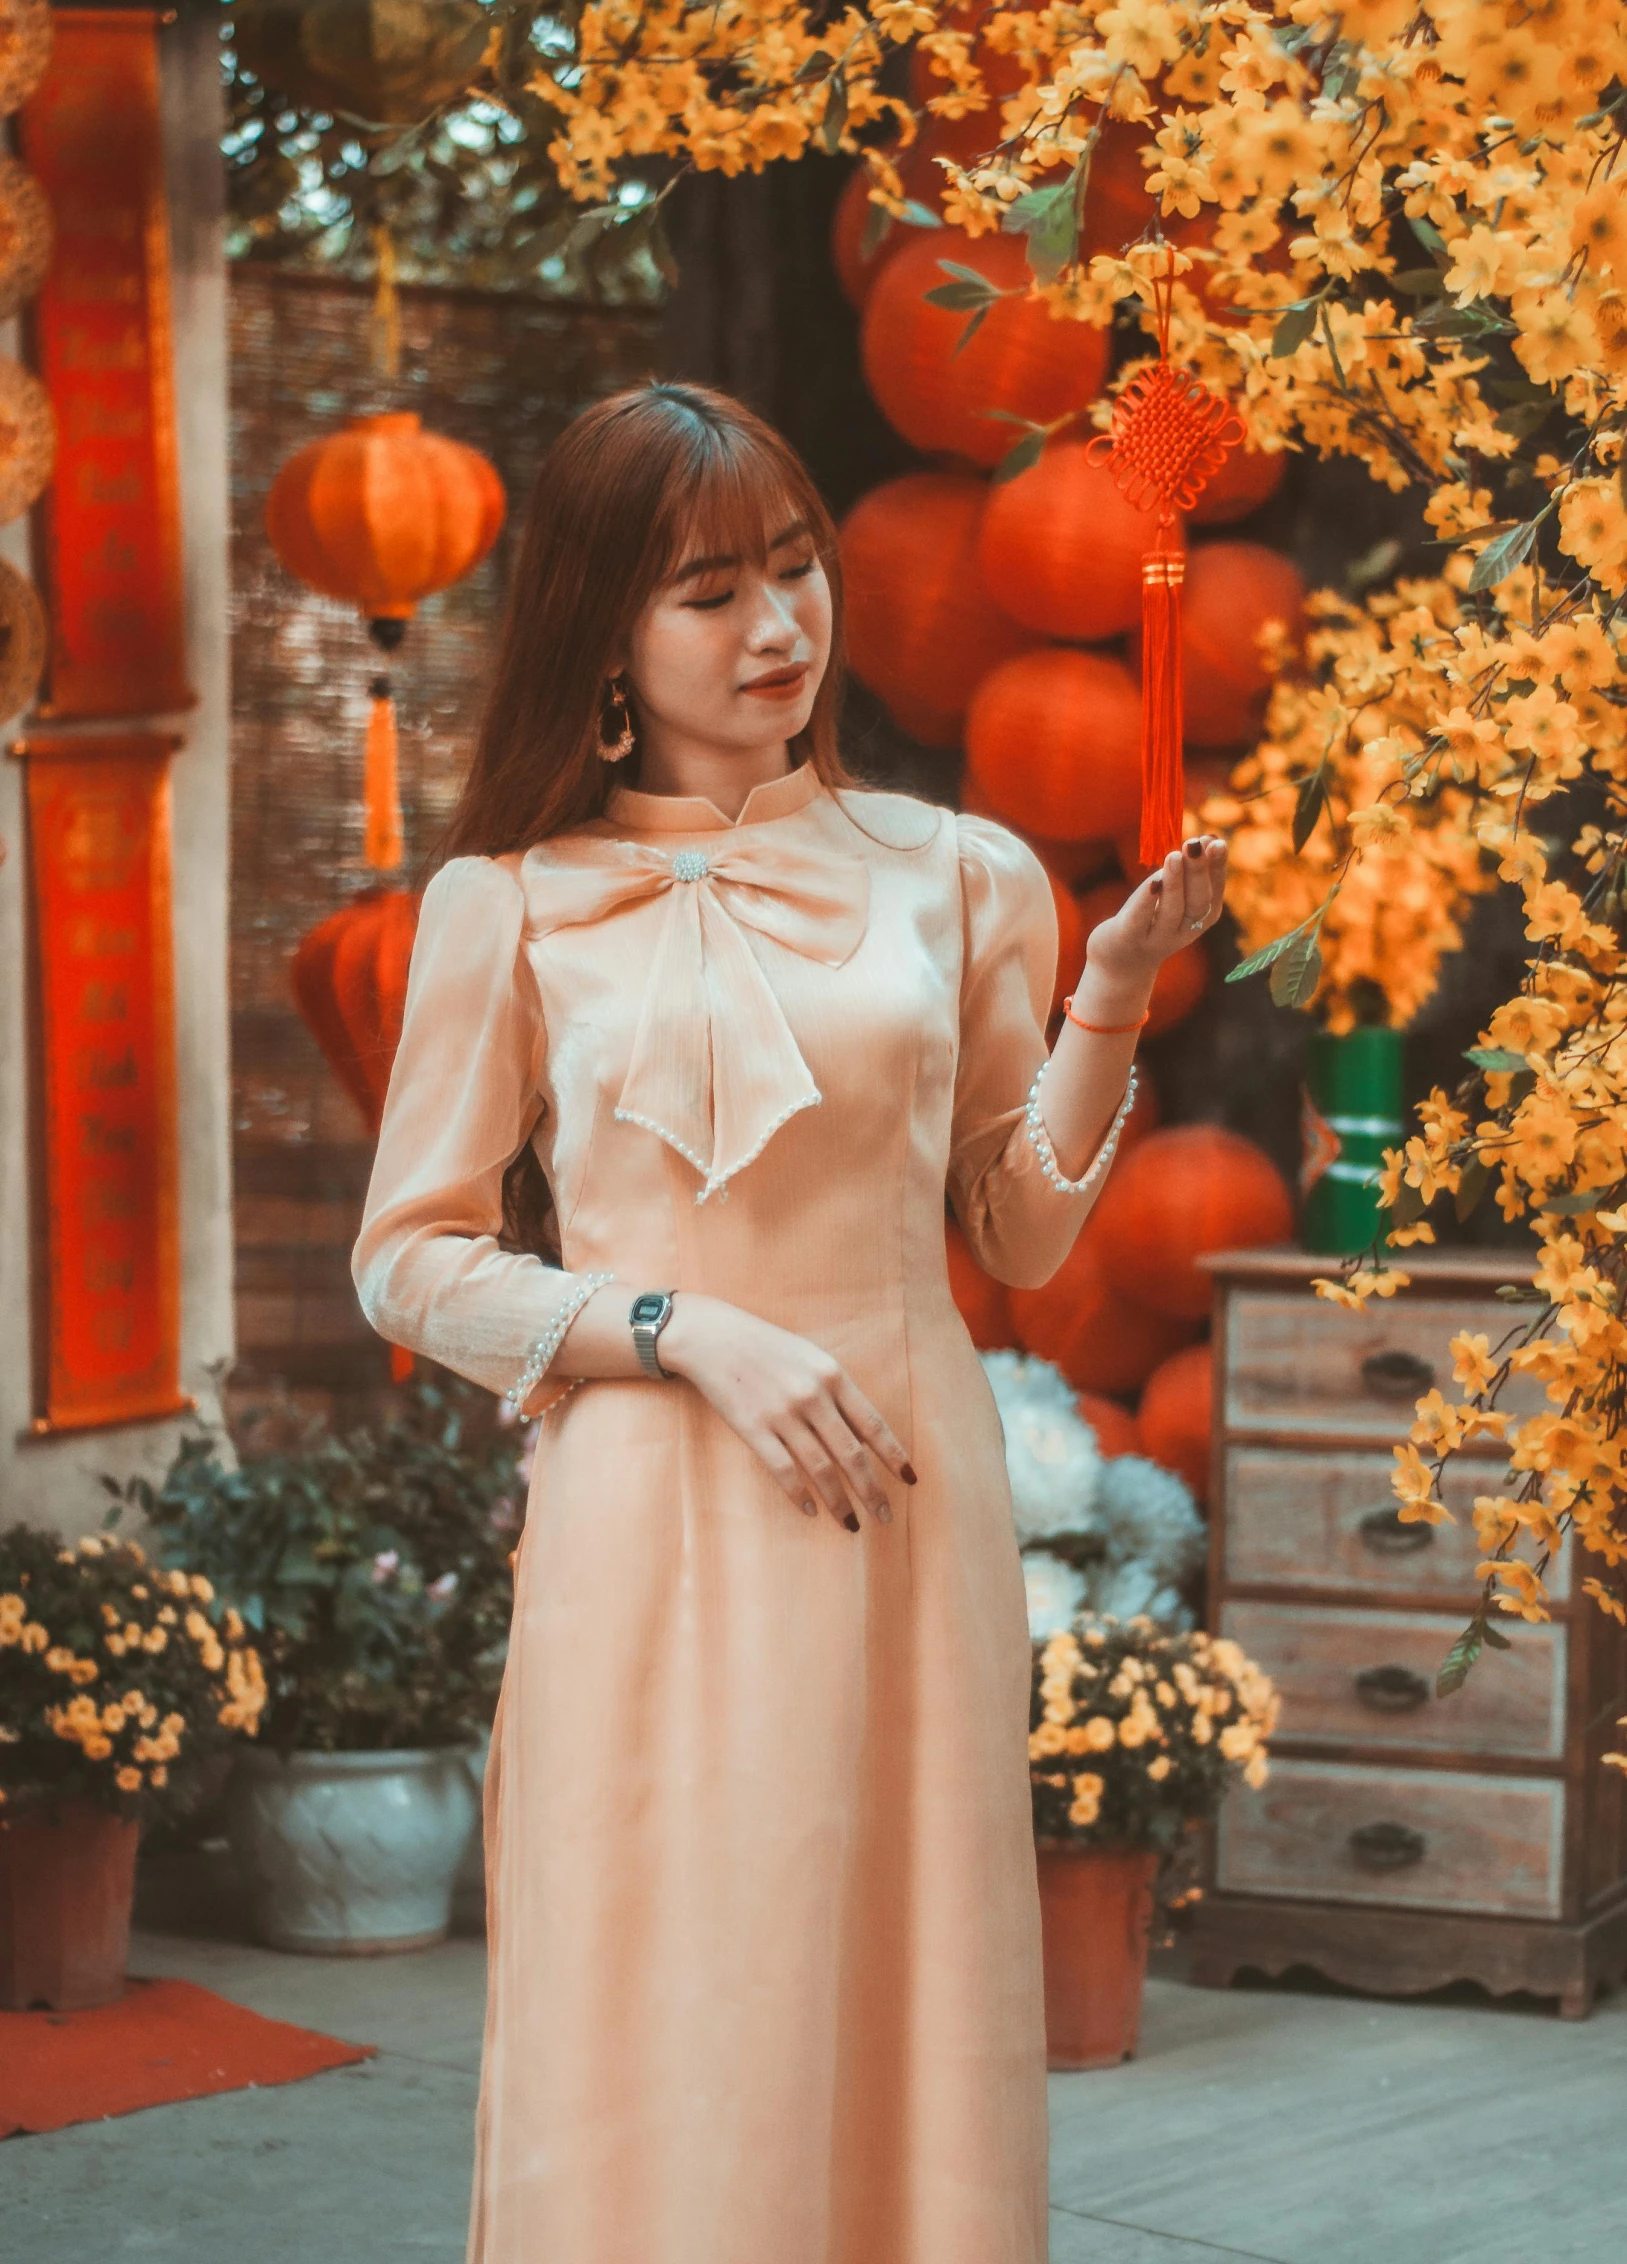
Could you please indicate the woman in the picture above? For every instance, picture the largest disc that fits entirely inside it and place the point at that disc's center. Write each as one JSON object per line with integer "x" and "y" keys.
{"x": 764, "y": 1931}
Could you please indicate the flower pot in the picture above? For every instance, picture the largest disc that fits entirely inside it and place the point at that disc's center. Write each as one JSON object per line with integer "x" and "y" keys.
{"x": 351, "y": 1854}
{"x": 67, "y": 1880}
{"x": 1096, "y": 1916}
{"x": 1350, "y": 1113}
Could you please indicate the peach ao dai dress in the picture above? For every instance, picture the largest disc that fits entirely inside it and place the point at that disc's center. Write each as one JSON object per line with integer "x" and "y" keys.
{"x": 763, "y": 1920}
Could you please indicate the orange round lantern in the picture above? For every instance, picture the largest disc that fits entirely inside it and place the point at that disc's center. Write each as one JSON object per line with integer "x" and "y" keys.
{"x": 1061, "y": 547}
{"x": 1232, "y": 590}
{"x": 1116, "y": 1429}
{"x": 939, "y": 394}
{"x": 384, "y": 514}
{"x": 1187, "y": 1191}
{"x": 1102, "y": 1341}
{"x": 857, "y": 267}
{"x": 922, "y": 628}
{"x": 1247, "y": 478}
{"x": 1179, "y": 983}
{"x": 1053, "y": 741}
{"x": 1070, "y": 942}
{"x": 979, "y": 1298}
{"x": 1117, "y": 206}
{"x": 349, "y": 977}
{"x": 1070, "y": 862}
{"x": 1176, "y": 1414}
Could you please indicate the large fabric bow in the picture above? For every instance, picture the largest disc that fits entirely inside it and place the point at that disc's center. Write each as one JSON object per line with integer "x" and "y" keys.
{"x": 715, "y": 1070}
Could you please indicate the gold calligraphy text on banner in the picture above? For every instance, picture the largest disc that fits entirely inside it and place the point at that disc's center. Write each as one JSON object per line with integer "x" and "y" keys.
{"x": 111, "y": 517}
{"x": 108, "y": 1343}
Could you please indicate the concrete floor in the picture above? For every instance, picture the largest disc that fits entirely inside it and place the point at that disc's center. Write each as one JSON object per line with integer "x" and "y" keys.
{"x": 1263, "y": 2124}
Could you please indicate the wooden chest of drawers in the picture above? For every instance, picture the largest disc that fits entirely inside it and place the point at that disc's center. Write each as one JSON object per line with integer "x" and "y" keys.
{"x": 1403, "y": 1841}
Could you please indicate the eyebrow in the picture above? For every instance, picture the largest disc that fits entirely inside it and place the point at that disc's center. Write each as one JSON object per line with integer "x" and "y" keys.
{"x": 721, "y": 559}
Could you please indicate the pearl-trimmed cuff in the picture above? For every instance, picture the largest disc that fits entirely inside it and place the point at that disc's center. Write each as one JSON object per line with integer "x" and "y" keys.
{"x": 542, "y": 1352}
{"x": 1099, "y": 1163}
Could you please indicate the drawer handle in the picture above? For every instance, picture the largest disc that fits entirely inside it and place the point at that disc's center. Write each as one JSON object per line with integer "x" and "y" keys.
{"x": 1391, "y": 1690}
{"x": 1383, "y": 1532}
{"x": 1386, "y": 1847}
{"x": 1396, "y": 1375}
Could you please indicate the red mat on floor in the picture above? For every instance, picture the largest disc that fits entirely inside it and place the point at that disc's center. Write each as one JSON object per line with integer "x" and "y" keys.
{"x": 163, "y": 2040}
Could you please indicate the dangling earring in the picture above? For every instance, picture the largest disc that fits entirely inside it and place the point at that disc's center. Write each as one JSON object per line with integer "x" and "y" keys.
{"x": 618, "y": 749}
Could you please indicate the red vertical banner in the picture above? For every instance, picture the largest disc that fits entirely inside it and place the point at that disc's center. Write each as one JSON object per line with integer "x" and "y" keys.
{"x": 99, "y": 863}
{"x": 110, "y": 522}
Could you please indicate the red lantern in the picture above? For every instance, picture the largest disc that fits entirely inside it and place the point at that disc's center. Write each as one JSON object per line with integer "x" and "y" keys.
{"x": 349, "y": 977}
{"x": 1101, "y": 1340}
{"x": 1061, "y": 547}
{"x": 1177, "y": 1413}
{"x": 922, "y": 628}
{"x": 1248, "y": 478}
{"x": 384, "y": 514}
{"x": 1185, "y": 1192}
{"x": 1179, "y": 983}
{"x": 1070, "y": 862}
{"x": 1070, "y": 942}
{"x": 1053, "y": 743}
{"x": 1116, "y": 1429}
{"x": 979, "y": 1298}
{"x": 1233, "y": 589}
{"x": 1021, "y": 360}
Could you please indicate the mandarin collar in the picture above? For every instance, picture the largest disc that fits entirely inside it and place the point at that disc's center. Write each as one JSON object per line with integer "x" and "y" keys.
{"x": 696, "y": 813}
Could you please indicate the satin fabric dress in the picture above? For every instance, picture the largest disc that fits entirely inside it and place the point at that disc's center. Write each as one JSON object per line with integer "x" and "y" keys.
{"x": 763, "y": 1920}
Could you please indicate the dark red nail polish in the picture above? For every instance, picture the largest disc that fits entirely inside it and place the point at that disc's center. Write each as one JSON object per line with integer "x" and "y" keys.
{"x": 1194, "y": 848}
{"x": 908, "y": 1475}
{"x": 851, "y": 1522}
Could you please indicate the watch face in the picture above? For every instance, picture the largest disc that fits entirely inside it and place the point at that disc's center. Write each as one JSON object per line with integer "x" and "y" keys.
{"x": 648, "y": 1307}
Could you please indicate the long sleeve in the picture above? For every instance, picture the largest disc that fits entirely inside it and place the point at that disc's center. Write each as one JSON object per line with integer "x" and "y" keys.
{"x": 1020, "y": 1216}
{"x": 462, "y": 1101}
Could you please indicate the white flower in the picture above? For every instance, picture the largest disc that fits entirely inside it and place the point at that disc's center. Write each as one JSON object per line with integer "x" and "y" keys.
{"x": 442, "y": 1588}
{"x": 1051, "y": 1457}
{"x": 1126, "y": 1591}
{"x": 386, "y": 1562}
{"x": 1146, "y": 1515}
{"x": 1055, "y": 1592}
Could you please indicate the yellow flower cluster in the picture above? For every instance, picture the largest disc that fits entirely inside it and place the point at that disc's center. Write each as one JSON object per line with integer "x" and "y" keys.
{"x": 128, "y": 1729}
{"x": 1385, "y": 874}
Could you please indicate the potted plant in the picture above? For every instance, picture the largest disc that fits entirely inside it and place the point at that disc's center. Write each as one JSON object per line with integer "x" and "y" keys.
{"x": 375, "y": 1568}
{"x": 121, "y": 1681}
{"x": 1136, "y": 1732}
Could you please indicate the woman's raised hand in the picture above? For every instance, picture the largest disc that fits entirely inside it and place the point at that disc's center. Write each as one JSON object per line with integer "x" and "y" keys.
{"x": 1169, "y": 910}
{"x": 798, "y": 1409}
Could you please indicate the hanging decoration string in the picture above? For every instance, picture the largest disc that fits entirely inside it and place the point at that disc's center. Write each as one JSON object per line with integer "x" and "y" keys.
{"x": 1169, "y": 436}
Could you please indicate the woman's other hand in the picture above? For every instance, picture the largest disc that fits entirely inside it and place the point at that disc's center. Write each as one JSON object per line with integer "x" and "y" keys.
{"x": 798, "y": 1409}
{"x": 1171, "y": 908}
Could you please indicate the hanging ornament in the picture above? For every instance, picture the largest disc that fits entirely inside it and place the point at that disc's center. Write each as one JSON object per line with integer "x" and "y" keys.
{"x": 384, "y": 514}
{"x": 1169, "y": 435}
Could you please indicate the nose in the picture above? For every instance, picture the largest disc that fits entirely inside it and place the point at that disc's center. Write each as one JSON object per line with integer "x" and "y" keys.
{"x": 773, "y": 623}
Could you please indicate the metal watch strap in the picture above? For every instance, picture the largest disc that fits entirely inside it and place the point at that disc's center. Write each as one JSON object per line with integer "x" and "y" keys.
{"x": 649, "y": 1316}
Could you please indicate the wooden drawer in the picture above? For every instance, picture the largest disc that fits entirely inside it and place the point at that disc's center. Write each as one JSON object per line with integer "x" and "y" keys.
{"x": 1368, "y": 1678}
{"x": 1415, "y": 1839}
{"x": 1328, "y": 1520}
{"x": 1298, "y": 1366}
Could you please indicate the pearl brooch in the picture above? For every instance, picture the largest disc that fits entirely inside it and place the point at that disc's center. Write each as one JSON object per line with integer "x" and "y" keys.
{"x": 691, "y": 864}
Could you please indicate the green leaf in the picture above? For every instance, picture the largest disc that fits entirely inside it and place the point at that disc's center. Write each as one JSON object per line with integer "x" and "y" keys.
{"x": 1409, "y": 1205}
{"x": 1496, "y": 1638}
{"x": 971, "y": 277}
{"x": 835, "y": 119}
{"x": 1454, "y": 1668}
{"x": 1496, "y": 1059}
{"x": 1020, "y": 458}
{"x": 1268, "y": 953}
{"x": 1428, "y": 235}
{"x": 1297, "y": 972}
{"x": 1294, "y": 326}
{"x": 922, "y": 215}
{"x": 1309, "y": 804}
{"x": 1049, "y": 218}
{"x": 1522, "y": 418}
{"x": 1500, "y": 558}
{"x": 877, "y": 221}
{"x": 1473, "y": 1181}
{"x": 1574, "y": 1202}
{"x": 1417, "y": 282}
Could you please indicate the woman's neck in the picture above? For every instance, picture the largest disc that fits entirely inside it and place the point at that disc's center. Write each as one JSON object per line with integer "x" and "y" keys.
{"x": 723, "y": 776}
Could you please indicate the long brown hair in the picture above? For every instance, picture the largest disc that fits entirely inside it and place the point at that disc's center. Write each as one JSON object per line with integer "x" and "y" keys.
{"x": 619, "y": 497}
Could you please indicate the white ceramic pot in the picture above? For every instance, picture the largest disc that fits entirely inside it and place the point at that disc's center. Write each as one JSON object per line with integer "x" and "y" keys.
{"x": 469, "y": 1887}
{"x": 350, "y": 1854}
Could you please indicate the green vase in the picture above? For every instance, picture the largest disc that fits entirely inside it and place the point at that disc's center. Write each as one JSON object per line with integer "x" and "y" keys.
{"x": 1350, "y": 1113}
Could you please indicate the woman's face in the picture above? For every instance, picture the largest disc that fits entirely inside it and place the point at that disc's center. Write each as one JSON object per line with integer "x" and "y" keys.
{"x": 727, "y": 655}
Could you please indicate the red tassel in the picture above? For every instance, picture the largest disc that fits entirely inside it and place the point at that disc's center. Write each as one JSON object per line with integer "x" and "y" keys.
{"x": 381, "y": 795}
{"x": 400, "y": 1363}
{"x": 1163, "y": 779}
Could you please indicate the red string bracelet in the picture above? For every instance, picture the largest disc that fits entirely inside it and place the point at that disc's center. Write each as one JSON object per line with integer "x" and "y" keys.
{"x": 1103, "y": 1029}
